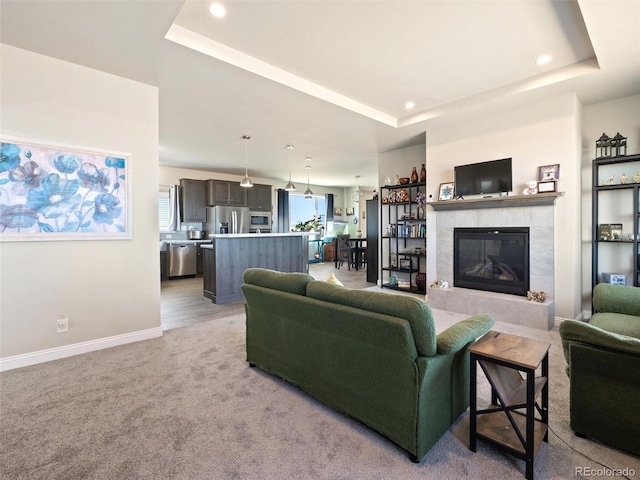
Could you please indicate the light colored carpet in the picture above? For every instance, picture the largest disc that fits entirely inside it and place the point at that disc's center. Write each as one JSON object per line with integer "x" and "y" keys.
{"x": 187, "y": 406}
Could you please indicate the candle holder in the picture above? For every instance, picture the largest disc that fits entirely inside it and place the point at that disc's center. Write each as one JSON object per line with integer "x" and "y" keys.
{"x": 618, "y": 145}
{"x": 603, "y": 146}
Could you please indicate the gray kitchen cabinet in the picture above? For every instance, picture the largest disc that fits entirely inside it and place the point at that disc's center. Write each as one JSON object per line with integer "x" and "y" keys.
{"x": 222, "y": 192}
{"x": 226, "y": 259}
{"x": 199, "y": 260}
{"x": 259, "y": 198}
{"x": 193, "y": 200}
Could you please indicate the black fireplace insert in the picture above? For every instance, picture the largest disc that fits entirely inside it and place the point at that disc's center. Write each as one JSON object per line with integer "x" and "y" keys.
{"x": 492, "y": 259}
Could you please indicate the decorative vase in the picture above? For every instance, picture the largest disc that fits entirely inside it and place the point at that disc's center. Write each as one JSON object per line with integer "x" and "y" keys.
{"x": 423, "y": 174}
{"x": 414, "y": 176}
{"x": 421, "y": 280}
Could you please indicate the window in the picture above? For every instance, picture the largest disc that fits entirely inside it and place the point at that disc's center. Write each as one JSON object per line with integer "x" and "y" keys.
{"x": 163, "y": 209}
{"x": 301, "y": 209}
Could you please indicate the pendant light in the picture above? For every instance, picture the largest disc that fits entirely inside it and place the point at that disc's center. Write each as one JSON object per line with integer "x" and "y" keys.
{"x": 246, "y": 181}
{"x": 290, "y": 187}
{"x": 308, "y": 194}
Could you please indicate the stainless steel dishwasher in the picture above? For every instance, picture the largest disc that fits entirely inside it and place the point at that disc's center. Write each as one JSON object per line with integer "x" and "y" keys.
{"x": 182, "y": 259}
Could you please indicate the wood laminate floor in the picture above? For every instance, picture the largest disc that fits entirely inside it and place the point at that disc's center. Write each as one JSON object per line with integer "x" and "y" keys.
{"x": 182, "y": 302}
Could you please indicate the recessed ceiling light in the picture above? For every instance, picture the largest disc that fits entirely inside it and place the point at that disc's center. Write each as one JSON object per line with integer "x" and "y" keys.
{"x": 543, "y": 59}
{"x": 409, "y": 105}
{"x": 289, "y": 147}
{"x": 217, "y": 10}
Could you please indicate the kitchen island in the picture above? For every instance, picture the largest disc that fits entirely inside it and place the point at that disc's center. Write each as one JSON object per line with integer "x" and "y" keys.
{"x": 229, "y": 255}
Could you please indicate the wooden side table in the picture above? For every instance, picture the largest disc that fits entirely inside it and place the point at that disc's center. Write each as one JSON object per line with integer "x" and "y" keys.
{"x": 510, "y": 423}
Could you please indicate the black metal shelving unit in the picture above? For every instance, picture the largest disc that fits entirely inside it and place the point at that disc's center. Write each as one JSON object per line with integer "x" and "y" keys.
{"x": 601, "y": 187}
{"x": 402, "y": 231}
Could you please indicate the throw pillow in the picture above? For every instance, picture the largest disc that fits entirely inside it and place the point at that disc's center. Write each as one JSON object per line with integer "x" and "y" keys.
{"x": 332, "y": 279}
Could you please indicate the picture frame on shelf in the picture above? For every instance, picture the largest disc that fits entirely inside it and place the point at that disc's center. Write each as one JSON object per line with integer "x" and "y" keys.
{"x": 547, "y": 186}
{"x": 549, "y": 172}
{"x": 616, "y": 231}
{"x": 405, "y": 264}
{"x": 446, "y": 191}
{"x": 609, "y": 232}
{"x": 604, "y": 231}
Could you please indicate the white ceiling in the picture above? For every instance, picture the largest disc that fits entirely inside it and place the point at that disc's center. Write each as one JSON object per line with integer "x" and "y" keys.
{"x": 332, "y": 77}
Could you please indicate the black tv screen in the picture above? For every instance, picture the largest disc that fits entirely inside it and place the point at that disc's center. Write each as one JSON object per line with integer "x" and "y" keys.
{"x": 484, "y": 177}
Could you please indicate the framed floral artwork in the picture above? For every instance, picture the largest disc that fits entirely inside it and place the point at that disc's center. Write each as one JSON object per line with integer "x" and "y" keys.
{"x": 55, "y": 192}
{"x": 446, "y": 191}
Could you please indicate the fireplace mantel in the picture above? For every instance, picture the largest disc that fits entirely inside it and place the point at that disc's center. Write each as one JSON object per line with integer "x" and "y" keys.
{"x": 539, "y": 199}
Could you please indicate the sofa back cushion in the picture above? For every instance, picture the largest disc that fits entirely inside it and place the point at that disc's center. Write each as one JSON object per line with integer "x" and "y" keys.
{"x": 285, "y": 282}
{"x": 616, "y": 299}
{"x": 415, "y": 311}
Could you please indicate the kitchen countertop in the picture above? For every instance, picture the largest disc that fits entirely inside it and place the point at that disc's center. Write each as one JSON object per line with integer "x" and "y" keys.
{"x": 186, "y": 240}
{"x": 245, "y": 235}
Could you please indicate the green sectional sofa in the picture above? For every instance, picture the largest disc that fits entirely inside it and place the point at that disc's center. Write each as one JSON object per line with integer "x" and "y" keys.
{"x": 371, "y": 355}
{"x": 603, "y": 364}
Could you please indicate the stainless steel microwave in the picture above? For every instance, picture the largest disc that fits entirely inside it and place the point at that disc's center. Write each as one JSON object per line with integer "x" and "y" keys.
{"x": 260, "y": 220}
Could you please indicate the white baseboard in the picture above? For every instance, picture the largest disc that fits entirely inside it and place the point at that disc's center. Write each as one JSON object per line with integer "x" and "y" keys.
{"x": 33, "y": 358}
{"x": 559, "y": 320}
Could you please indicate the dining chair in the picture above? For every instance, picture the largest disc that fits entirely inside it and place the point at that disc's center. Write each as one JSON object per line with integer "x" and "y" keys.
{"x": 344, "y": 251}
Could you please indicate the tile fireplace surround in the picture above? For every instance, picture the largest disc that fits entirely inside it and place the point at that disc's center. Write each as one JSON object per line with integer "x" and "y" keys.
{"x": 536, "y": 212}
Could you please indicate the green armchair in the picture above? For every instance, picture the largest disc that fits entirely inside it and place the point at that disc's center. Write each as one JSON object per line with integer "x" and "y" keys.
{"x": 603, "y": 365}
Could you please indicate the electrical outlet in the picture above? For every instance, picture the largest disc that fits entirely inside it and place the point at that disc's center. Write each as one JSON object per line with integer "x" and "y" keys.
{"x": 62, "y": 325}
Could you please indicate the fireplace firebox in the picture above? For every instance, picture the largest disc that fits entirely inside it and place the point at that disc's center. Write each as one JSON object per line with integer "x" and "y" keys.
{"x": 492, "y": 259}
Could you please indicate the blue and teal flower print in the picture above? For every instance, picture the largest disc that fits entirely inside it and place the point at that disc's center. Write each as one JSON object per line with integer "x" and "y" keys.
{"x": 54, "y": 196}
{"x": 92, "y": 178}
{"x": 17, "y": 216}
{"x": 114, "y": 162}
{"x": 50, "y": 191}
{"x": 107, "y": 207}
{"x": 9, "y": 157}
{"x": 26, "y": 177}
{"x": 66, "y": 163}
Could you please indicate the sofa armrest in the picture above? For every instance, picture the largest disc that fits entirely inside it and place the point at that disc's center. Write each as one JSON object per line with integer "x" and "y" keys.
{"x": 454, "y": 338}
{"x": 572, "y": 331}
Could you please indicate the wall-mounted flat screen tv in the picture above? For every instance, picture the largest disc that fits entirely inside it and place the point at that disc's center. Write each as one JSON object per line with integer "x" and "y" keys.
{"x": 483, "y": 178}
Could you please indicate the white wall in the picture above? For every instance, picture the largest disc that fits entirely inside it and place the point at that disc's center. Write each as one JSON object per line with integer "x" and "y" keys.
{"x": 621, "y": 115}
{"x": 539, "y": 134}
{"x": 105, "y": 288}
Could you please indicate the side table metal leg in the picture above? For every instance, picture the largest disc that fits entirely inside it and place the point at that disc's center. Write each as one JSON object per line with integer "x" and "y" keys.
{"x": 530, "y": 422}
{"x": 472, "y": 402}
{"x": 545, "y": 395}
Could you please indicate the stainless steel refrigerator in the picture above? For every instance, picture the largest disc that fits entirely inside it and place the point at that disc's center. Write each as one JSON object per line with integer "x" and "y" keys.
{"x": 225, "y": 219}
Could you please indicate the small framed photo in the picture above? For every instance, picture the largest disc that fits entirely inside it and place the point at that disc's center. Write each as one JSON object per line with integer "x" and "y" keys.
{"x": 349, "y": 210}
{"x": 614, "y": 278}
{"x": 337, "y": 211}
{"x": 547, "y": 186}
{"x": 446, "y": 191}
{"x": 549, "y": 172}
{"x": 604, "y": 232}
{"x": 405, "y": 264}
